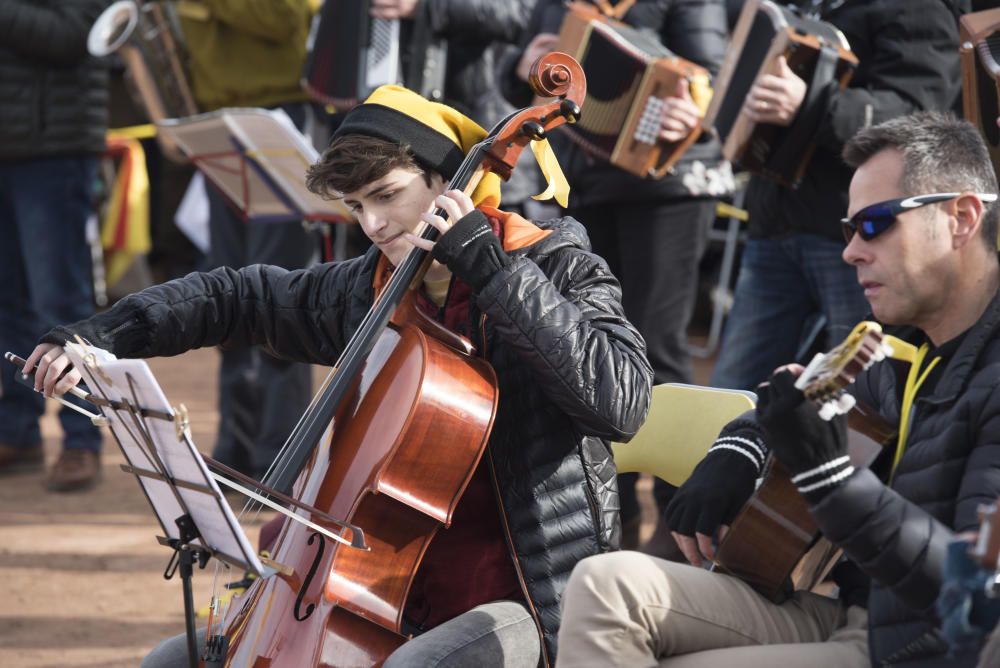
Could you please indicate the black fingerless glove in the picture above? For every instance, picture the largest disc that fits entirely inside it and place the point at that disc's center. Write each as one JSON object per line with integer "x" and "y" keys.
{"x": 720, "y": 484}
{"x": 812, "y": 450}
{"x": 471, "y": 251}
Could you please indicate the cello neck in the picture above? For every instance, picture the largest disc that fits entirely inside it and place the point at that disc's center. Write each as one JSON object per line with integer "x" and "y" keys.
{"x": 408, "y": 275}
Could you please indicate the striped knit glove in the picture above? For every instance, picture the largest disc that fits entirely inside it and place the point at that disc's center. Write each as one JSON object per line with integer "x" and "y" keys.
{"x": 812, "y": 450}
{"x": 720, "y": 484}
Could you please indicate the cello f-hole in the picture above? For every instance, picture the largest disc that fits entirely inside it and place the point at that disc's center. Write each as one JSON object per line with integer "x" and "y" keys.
{"x": 309, "y": 576}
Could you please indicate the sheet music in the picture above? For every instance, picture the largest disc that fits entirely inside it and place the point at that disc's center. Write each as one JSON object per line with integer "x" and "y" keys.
{"x": 132, "y": 381}
{"x": 284, "y": 156}
{"x": 257, "y": 159}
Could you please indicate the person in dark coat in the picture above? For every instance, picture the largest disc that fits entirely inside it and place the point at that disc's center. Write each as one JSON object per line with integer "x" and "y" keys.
{"x": 791, "y": 277}
{"x": 542, "y": 309}
{"x": 652, "y": 232}
{"x": 53, "y": 118}
{"x": 922, "y": 239}
{"x": 449, "y": 53}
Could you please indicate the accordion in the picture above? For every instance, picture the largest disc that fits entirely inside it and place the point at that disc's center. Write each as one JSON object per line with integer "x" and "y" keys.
{"x": 629, "y": 74}
{"x": 980, "y": 54}
{"x": 350, "y": 54}
{"x": 816, "y": 51}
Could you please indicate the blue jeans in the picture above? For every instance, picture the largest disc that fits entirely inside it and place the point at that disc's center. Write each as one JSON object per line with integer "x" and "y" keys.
{"x": 782, "y": 282}
{"x": 45, "y": 280}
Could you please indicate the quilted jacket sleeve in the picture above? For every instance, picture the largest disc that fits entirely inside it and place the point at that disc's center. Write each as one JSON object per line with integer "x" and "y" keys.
{"x": 55, "y": 34}
{"x": 573, "y": 332}
{"x": 485, "y": 20}
{"x": 297, "y": 315}
{"x": 901, "y": 545}
{"x": 912, "y": 65}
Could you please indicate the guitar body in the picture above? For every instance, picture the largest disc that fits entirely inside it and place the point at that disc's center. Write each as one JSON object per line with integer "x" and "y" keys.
{"x": 773, "y": 544}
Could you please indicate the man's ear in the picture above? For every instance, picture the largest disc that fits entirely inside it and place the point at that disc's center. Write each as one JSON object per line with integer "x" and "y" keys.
{"x": 967, "y": 219}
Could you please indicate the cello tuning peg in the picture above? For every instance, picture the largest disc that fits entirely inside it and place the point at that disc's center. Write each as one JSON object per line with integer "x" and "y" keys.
{"x": 533, "y": 130}
{"x": 570, "y": 110}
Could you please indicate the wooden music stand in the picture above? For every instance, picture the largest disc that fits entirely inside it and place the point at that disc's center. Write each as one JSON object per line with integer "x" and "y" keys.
{"x": 257, "y": 159}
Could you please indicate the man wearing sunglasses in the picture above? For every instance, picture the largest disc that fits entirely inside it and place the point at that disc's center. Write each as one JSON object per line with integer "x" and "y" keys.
{"x": 922, "y": 230}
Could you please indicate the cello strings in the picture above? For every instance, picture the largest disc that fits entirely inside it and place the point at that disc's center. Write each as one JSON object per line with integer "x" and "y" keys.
{"x": 281, "y": 461}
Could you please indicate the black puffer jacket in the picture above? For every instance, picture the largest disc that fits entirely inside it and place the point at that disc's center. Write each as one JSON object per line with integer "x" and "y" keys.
{"x": 908, "y": 61}
{"x": 471, "y": 28}
{"x": 53, "y": 95}
{"x": 898, "y": 534}
{"x": 692, "y": 29}
{"x": 951, "y": 465}
{"x": 572, "y": 374}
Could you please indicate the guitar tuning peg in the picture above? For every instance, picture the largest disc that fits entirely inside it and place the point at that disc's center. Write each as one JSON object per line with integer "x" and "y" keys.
{"x": 846, "y": 402}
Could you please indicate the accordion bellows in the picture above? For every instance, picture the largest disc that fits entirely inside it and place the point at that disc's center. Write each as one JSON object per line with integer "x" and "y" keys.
{"x": 351, "y": 54}
{"x": 629, "y": 74}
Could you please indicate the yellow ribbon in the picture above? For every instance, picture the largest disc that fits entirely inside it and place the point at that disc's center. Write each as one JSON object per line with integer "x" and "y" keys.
{"x": 701, "y": 92}
{"x": 557, "y": 187}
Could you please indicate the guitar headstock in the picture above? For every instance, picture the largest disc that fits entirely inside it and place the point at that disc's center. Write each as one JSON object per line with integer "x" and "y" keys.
{"x": 824, "y": 380}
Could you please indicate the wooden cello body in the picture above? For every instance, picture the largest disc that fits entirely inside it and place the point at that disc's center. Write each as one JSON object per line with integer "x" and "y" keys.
{"x": 395, "y": 460}
{"x": 388, "y": 446}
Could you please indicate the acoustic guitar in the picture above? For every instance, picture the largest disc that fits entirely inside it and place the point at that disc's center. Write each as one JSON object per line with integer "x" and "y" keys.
{"x": 774, "y": 544}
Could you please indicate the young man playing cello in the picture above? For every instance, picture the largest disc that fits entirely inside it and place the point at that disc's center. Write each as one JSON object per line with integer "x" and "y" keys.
{"x": 539, "y": 307}
{"x": 922, "y": 235}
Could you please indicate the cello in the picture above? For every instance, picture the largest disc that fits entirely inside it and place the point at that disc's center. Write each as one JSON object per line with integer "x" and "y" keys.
{"x": 389, "y": 444}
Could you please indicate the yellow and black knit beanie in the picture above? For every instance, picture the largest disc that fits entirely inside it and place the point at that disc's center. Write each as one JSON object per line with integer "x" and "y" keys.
{"x": 439, "y": 138}
{"x": 438, "y": 135}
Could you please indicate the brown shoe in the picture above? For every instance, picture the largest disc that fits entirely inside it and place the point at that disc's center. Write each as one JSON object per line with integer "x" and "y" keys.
{"x": 75, "y": 470}
{"x": 21, "y": 460}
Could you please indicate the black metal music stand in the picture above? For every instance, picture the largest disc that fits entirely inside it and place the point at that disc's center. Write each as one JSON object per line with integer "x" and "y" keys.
{"x": 197, "y": 521}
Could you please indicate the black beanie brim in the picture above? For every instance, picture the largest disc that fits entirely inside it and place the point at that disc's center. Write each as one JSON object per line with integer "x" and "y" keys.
{"x": 430, "y": 148}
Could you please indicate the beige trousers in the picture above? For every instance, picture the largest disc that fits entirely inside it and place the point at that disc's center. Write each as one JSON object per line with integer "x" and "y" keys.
{"x": 631, "y": 609}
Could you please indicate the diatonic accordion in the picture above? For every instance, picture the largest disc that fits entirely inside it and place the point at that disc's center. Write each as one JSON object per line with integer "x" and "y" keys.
{"x": 815, "y": 50}
{"x": 629, "y": 75}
